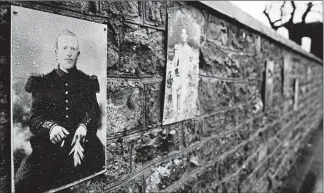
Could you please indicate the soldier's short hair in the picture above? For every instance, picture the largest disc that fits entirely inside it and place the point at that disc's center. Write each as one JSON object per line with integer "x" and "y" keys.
{"x": 66, "y": 33}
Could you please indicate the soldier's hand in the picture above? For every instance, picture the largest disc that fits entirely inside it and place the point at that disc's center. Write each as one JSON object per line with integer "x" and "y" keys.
{"x": 57, "y": 134}
{"x": 77, "y": 151}
{"x": 80, "y": 134}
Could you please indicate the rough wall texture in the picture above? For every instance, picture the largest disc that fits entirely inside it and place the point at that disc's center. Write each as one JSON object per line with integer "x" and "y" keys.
{"x": 227, "y": 148}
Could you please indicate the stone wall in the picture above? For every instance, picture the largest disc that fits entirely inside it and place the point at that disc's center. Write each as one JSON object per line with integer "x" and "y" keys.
{"x": 228, "y": 147}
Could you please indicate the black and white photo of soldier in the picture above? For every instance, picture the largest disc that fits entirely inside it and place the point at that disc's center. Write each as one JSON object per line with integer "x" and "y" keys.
{"x": 64, "y": 118}
{"x": 182, "y": 68}
{"x": 58, "y": 111}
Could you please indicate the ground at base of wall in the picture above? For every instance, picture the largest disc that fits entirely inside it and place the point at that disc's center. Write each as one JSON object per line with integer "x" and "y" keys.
{"x": 314, "y": 180}
{"x": 307, "y": 174}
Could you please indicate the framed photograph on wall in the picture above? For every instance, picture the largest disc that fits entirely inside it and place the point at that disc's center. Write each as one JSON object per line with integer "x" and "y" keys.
{"x": 58, "y": 90}
{"x": 286, "y": 76}
{"x": 268, "y": 93}
{"x": 181, "y": 87}
{"x": 296, "y": 92}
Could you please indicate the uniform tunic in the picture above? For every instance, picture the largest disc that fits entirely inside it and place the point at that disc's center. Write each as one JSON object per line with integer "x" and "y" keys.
{"x": 67, "y": 100}
{"x": 181, "y": 61}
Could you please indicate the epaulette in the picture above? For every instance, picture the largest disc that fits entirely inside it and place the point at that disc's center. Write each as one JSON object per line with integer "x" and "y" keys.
{"x": 33, "y": 82}
{"x": 95, "y": 83}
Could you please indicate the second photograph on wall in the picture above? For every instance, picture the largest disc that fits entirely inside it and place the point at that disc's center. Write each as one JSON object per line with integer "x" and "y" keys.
{"x": 181, "y": 87}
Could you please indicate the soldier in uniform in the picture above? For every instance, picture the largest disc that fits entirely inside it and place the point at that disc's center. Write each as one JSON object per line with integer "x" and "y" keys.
{"x": 182, "y": 61}
{"x": 64, "y": 119}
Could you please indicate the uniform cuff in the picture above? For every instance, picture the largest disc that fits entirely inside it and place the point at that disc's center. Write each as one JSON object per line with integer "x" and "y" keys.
{"x": 49, "y": 125}
{"x": 86, "y": 121}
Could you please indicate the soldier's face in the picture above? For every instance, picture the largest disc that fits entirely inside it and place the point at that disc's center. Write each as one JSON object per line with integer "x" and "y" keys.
{"x": 67, "y": 52}
{"x": 184, "y": 36}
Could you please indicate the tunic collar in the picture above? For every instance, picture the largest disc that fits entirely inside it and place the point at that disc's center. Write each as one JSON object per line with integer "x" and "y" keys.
{"x": 61, "y": 73}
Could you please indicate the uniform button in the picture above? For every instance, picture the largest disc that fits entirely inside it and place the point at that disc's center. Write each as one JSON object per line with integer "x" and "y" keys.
{"x": 67, "y": 116}
{"x": 66, "y": 92}
{"x": 66, "y": 101}
{"x": 67, "y": 108}
{"x": 66, "y": 84}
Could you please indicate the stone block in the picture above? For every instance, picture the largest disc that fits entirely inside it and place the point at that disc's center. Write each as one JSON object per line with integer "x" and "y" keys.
{"x": 125, "y": 107}
{"x": 188, "y": 186}
{"x": 217, "y": 31}
{"x": 278, "y": 66}
{"x": 246, "y": 186}
{"x": 175, "y": 137}
{"x": 141, "y": 52}
{"x": 135, "y": 185}
{"x": 96, "y": 184}
{"x": 260, "y": 171}
{"x": 234, "y": 161}
{"x": 240, "y": 93}
{"x": 154, "y": 145}
{"x": 277, "y": 100}
{"x": 212, "y": 62}
{"x": 214, "y": 95}
{"x": 262, "y": 153}
{"x": 155, "y": 13}
{"x": 283, "y": 134}
{"x": 230, "y": 119}
{"x": 160, "y": 176}
{"x": 259, "y": 122}
{"x": 249, "y": 40}
{"x": 243, "y": 132}
{"x": 241, "y": 40}
{"x": 153, "y": 98}
{"x": 261, "y": 185}
{"x": 250, "y": 127}
{"x": 235, "y": 38}
{"x": 247, "y": 169}
{"x": 230, "y": 185}
{"x": 217, "y": 62}
{"x": 240, "y": 114}
{"x": 191, "y": 132}
{"x": 213, "y": 124}
{"x": 205, "y": 180}
{"x": 129, "y": 10}
{"x": 272, "y": 145}
{"x": 273, "y": 114}
{"x": 121, "y": 157}
{"x": 89, "y": 7}
{"x": 251, "y": 68}
{"x": 277, "y": 83}
{"x": 114, "y": 40}
{"x": 202, "y": 155}
{"x": 254, "y": 89}
{"x": 228, "y": 141}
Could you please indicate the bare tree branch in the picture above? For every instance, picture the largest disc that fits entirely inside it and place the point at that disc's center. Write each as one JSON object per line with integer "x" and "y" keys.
{"x": 272, "y": 24}
{"x": 292, "y": 13}
{"x": 308, "y": 9}
{"x": 277, "y": 21}
{"x": 281, "y": 9}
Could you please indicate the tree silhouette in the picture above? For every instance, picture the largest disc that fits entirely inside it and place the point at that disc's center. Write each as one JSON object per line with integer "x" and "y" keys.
{"x": 298, "y": 30}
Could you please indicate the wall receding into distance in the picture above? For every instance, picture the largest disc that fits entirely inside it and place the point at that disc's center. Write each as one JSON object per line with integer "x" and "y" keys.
{"x": 229, "y": 146}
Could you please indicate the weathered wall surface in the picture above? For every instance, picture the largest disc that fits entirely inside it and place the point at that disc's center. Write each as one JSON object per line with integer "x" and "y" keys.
{"x": 227, "y": 148}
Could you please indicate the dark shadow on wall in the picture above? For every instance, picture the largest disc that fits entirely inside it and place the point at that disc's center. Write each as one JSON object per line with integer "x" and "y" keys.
{"x": 308, "y": 183}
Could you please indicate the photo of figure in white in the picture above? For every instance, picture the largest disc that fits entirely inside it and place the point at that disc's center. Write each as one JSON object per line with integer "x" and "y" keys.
{"x": 182, "y": 69}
